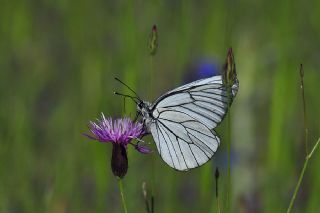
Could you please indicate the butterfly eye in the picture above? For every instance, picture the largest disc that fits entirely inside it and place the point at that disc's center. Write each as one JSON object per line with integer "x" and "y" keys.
{"x": 140, "y": 105}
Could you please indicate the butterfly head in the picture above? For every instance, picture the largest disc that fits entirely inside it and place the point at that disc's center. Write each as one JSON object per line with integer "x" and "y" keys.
{"x": 143, "y": 108}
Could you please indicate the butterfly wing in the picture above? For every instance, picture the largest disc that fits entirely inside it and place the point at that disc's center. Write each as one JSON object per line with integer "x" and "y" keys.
{"x": 205, "y": 100}
{"x": 183, "y": 142}
{"x": 184, "y": 119}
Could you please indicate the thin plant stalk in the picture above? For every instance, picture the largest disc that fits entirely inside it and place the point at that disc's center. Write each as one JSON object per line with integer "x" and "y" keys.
{"x": 229, "y": 29}
{"x": 228, "y": 33}
{"x": 228, "y": 199}
{"x": 218, "y": 205}
{"x": 153, "y": 46}
{"x": 229, "y": 79}
{"x": 308, "y": 156}
{"x": 122, "y": 195}
{"x": 151, "y": 73}
{"x": 301, "y": 176}
{"x": 146, "y": 199}
{"x": 153, "y": 156}
{"x": 217, "y": 189}
{"x": 118, "y": 178}
{"x": 304, "y": 110}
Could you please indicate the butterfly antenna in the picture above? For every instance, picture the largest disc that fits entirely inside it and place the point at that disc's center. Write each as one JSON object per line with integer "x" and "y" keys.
{"x": 124, "y": 105}
{"x": 128, "y": 88}
{"x": 127, "y": 96}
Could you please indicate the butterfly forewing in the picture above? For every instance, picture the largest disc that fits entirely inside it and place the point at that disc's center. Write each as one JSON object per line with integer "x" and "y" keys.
{"x": 205, "y": 100}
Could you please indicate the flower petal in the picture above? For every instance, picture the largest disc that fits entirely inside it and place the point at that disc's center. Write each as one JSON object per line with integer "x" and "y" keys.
{"x": 143, "y": 149}
{"x": 120, "y": 131}
{"x": 89, "y": 136}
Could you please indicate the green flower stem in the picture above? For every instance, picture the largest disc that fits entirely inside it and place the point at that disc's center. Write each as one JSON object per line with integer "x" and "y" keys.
{"x": 122, "y": 195}
{"x": 229, "y": 184}
{"x": 301, "y": 176}
{"x": 304, "y": 110}
{"x": 153, "y": 176}
{"x": 151, "y": 78}
{"x": 314, "y": 148}
{"x": 218, "y": 205}
{"x": 217, "y": 196}
{"x": 305, "y": 141}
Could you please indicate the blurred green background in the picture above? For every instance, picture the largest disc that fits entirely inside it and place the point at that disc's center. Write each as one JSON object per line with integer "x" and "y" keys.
{"x": 58, "y": 60}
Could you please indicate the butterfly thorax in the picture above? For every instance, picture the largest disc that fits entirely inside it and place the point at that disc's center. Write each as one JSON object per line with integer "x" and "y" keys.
{"x": 144, "y": 109}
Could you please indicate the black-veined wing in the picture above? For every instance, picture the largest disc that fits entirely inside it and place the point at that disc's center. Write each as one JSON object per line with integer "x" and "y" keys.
{"x": 205, "y": 100}
{"x": 183, "y": 142}
{"x": 183, "y": 119}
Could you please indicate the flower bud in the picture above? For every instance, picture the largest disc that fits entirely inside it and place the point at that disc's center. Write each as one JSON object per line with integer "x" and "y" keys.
{"x": 153, "y": 41}
{"x": 217, "y": 177}
{"x": 143, "y": 149}
{"x": 119, "y": 160}
{"x": 217, "y": 174}
{"x": 229, "y": 72}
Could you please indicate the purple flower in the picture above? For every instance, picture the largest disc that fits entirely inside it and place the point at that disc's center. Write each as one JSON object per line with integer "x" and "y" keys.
{"x": 120, "y": 133}
{"x": 207, "y": 68}
{"x": 202, "y": 68}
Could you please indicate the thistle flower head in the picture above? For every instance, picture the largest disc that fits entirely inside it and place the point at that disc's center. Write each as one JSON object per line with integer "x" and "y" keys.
{"x": 120, "y": 133}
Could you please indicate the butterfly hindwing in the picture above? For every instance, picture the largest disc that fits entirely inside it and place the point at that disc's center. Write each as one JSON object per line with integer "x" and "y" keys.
{"x": 183, "y": 142}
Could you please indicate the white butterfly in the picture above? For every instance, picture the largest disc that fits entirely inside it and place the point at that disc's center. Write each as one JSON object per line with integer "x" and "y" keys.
{"x": 182, "y": 121}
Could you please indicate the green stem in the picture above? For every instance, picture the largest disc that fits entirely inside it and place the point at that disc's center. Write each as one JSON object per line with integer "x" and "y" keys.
{"x": 151, "y": 78}
{"x": 304, "y": 110}
{"x": 218, "y": 205}
{"x": 153, "y": 156}
{"x": 298, "y": 184}
{"x": 152, "y": 182}
{"x": 228, "y": 200}
{"x": 217, "y": 196}
{"x": 314, "y": 148}
{"x": 301, "y": 177}
{"x": 122, "y": 195}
